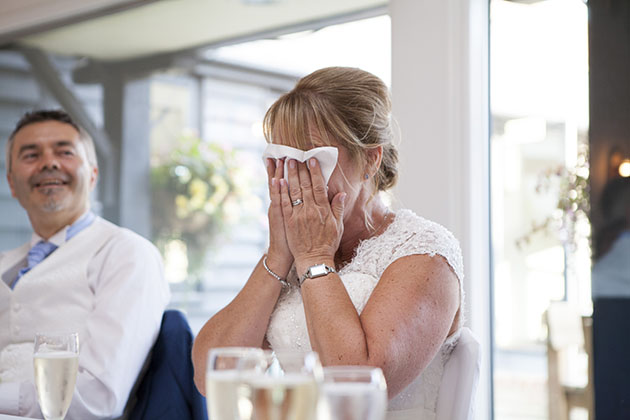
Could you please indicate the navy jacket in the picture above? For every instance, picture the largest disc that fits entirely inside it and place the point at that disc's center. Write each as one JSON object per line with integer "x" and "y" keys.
{"x": 611, "y": 339}
{"x": 167, "y": 391}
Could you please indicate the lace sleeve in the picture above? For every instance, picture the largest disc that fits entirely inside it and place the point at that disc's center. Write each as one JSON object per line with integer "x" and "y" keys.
{"x": 422, "y": 236}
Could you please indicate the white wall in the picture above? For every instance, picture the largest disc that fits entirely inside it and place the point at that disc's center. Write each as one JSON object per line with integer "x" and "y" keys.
{"x": 440, "y": 95}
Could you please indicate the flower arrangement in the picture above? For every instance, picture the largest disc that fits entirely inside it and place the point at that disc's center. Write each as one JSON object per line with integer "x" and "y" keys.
{"x": 198, "y": 190}
{"x": 573, "y": 203}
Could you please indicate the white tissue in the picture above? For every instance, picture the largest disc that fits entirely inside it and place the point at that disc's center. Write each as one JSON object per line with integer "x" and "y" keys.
{"x": 326, "y": 156}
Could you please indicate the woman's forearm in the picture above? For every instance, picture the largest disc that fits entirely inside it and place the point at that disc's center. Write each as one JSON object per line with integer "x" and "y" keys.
{"x": 241, "y": 323}
{"x": 334, "y": 326}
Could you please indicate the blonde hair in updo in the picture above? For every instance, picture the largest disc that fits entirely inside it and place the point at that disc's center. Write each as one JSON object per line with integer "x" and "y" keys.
{"x": 347, "y": 107}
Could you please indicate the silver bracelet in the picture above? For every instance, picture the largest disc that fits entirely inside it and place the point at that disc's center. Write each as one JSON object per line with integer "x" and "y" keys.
{"x": 277, "y": 277}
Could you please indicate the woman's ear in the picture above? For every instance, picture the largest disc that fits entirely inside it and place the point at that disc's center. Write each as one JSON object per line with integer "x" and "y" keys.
{"x": 375, "y": 157}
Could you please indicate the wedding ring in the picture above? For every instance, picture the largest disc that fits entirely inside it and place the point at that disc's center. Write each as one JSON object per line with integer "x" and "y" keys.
{"x": 297, "y": 202}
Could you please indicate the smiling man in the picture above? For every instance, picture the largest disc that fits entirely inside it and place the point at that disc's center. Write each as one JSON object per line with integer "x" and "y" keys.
{"x": 78, "y": 273}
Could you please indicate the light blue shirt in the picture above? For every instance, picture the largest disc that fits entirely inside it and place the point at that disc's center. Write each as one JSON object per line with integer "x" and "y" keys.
{"x": 611, "y": 273}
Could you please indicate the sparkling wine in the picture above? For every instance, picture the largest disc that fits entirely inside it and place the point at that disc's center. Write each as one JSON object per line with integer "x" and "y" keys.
{"x": 288, "y": 397}
{"x": 55, "y": 377}
{"x": 221, "y": 394}
{"x": 352, "y": 401}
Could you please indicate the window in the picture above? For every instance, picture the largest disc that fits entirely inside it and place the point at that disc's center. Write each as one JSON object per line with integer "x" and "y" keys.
{"x": 539, "y": 147}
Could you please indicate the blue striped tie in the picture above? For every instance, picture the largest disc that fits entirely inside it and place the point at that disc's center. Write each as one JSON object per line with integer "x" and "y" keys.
{"x": 36, "y": 255}
{"x": 43, "y": 249}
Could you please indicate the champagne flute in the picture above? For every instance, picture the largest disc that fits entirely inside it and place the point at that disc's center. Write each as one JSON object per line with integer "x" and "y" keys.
{"x": 225, "y": 367}
{"x": 353, "y": 393}
{"x": 55, "y": 362}
{"x": 288, "y": 390}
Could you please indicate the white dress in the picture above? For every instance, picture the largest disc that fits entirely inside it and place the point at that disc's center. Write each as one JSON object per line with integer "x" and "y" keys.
{"x": 408, "y": 234}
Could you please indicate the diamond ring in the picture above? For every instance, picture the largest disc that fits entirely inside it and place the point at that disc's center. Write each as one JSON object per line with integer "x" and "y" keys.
{"x": 297, "y": 202}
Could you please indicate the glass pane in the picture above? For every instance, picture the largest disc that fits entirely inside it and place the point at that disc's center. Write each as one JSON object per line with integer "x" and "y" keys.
{"x": 539, "y": 155}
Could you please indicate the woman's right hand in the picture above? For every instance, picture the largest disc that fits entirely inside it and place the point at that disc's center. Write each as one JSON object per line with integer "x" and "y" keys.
{"x": 244, "y": 321}
{"x": 279, "y": 257}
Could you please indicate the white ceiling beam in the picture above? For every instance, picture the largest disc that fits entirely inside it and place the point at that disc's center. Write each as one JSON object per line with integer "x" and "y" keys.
{"x": 20, "y": 18}
{"x": 184, "y": 25}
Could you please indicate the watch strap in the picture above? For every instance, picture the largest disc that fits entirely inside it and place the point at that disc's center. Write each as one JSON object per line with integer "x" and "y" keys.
{"x": 317, "y": 270}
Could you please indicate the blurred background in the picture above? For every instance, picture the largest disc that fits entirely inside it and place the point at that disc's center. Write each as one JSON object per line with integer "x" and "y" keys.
{"x": 174, "y": 93}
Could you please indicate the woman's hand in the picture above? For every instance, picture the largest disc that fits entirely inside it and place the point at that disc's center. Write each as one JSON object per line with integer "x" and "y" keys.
{"x": 313, "y": 227}
{"x": 279, "y": 257}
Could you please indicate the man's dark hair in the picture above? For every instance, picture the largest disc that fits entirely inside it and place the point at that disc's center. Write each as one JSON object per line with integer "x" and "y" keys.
{"x": 41, "y": 116}
{"x": 44, "y": 115}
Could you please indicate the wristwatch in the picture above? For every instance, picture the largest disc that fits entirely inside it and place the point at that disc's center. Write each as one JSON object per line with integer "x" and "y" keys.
{"x": 318, "y": 270}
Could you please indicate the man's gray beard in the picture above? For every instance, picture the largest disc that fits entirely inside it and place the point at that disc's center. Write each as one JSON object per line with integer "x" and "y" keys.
{"x": 53, "y": 203}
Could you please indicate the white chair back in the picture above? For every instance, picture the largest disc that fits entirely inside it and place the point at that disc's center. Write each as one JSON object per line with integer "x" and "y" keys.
{"x": 456, "y": 399}
{"x": 565, "y": 325}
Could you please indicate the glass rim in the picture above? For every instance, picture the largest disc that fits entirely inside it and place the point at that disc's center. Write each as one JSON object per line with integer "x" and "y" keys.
{"x": 56, "y": 334}
{"x": 233, "y": 353}
{"x": 69, "y": 341}
{"x": 353, "y": 374}
{"x": 310, "y": 357}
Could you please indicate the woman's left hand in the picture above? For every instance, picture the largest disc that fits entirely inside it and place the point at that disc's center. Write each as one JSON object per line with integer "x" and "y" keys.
{"x": 314, "y": 226}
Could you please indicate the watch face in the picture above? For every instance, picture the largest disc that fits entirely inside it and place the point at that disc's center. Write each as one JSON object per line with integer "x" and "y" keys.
{"x": 318, "y": 270}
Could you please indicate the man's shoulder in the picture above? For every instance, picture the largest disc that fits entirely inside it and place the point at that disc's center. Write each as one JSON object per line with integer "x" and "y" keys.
{"x": 25, "y": 245}
{"x": 19, "y": 251}
{"x": 120, "y": 236}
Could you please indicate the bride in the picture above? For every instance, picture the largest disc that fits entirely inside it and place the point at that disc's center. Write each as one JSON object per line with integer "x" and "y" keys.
{"x": 344, "y": 275}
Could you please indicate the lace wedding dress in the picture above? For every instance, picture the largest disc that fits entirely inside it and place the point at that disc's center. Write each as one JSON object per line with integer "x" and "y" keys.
{"x": 408, "y": 234}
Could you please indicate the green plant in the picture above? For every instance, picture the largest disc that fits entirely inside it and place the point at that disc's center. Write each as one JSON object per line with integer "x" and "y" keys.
{"x": 197, "y": 191}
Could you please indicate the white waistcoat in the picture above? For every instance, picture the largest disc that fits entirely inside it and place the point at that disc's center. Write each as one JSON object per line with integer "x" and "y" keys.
{"x": 61, "y": 278}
